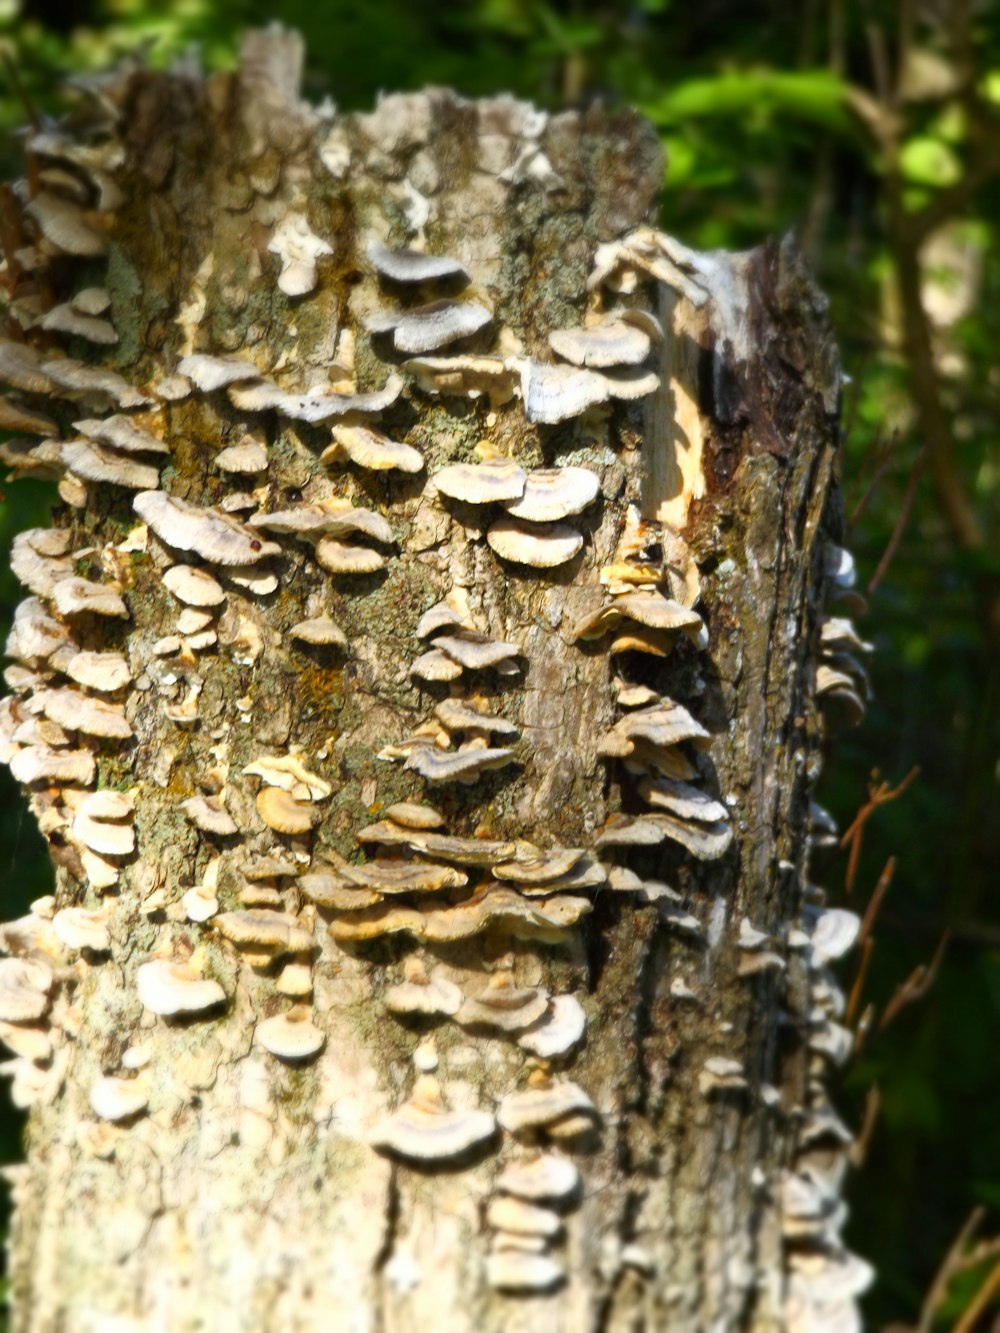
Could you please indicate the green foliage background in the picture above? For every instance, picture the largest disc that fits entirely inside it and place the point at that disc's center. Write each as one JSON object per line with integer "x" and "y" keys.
{"x": 842, "y": 119}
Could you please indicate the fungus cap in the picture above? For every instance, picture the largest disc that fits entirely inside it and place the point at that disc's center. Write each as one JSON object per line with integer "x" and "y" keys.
{"x": 554, "y": 493}
{"x": 167, "y": 988}
{"x": 218, "y": 538}
{"x": 428, "y": 328}
{"x": 482, "y": 483}
{"x": 320, "y": 631}
{"x": 546, "y": 1176}
{"x": 559, "y": 1031}
{"x": 413, "y": 266}
{"x": 244, "y": 459}
{"x": 194, "y": 587}
{"x": 424, "y": 1130}
{"x": 290, "y": 1036}
{"x": 105, "y": 672}
{"x": 522, "y": 1217}
{"x": 371, "y": 450}
{"x": 539, "y": 548}
{"x": 611, "y": 342}
{"x": 118, "y": 1098}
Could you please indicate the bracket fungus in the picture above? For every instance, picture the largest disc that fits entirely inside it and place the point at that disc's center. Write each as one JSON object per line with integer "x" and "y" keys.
{"x": 423, "y": 1131}
{"x": 291, "y": 1036}
{"x": 538, "y": 547}
{"x": 218, "y": 538}
{"x": 371, "y": 451}
{"x": 428, "y": 328}
{"x": 169, "y": 989}
{"x": 414, "y": 266}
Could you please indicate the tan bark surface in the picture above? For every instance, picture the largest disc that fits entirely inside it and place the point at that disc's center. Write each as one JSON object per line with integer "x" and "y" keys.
{"x": 187, "y": 1171}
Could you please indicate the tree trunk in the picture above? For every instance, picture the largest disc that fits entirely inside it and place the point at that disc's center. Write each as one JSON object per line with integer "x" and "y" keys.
{"x": 555, "y": 1056}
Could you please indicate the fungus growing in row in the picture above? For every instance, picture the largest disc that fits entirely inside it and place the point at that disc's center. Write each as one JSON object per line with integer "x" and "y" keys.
{"x": 244, "y": 459}
{"x": 25, "y": 984}
{"x": 208, "y": 373}
{"x": 423, "y": 994}
{"x": 102, "y": 822}
{"x": 833, "y": 931}
{"x": 67, "y": 318}
{"x": 476, "y": 652}
{"x": 288, "y": 772}
{"x": 414, "y": 815}
{"x": 462, "y": 717}
{"x": 217, "y": 538}
{"x": 720, "y": 1074}
{"x": 332, "y": 518}
{"x": 555, "y": 393}
{"x": 465, "y": 377}
{"x": 77, "y": 596}
{"x": 541, "y": 1106}
{"x": 522, "y": 1217}
{"x": 546, "y": 1176}
{"x": 554, "y": 493}
{"x": 424, "y": 1130}
{"x": 503, "y": 1007}
{"x": 338, "y": 557}
{"x": 291, "y": 1036}
{"x": 264, "y": 931}
{"x": 320, "y": 631}
{"x": 117, "y": 1099}
{"x": 390, "y": 877}
{"x": 64, "y": 225}
{"x": 539, "y": 548}
{"x": 489, "y": 482}
{"x": 167, "y": 988}
{"x": 370, "y": 450}
{"x": 105, "y": 672}
{"x": 38, "y": 763}
{"x": 435, "y": 668}
{"x": 453, "y": 612}
{"x": 284, "y": 813}
{"x": 413, "y": 266}
{"x": 498, "y": 907}
{"x": 121, "y": 433}
{"x": 428, "y": 328}
{"x": 558, "y": 1032}
{"x": 194, "y": 587}
{"x": 609, "y": 342}
{"x": 208, "y": 814}
{"x": 461, "y": 765}
{"x": 93, "y": 384}
{"x": 517, "y": 1272}
{"x": 79, "y": 712}
{"x": 316, "y": 405}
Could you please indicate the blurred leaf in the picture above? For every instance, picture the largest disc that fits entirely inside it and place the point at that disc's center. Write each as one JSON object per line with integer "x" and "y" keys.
{"x": 812, "y": 95}
{"x": 928, "y": 161}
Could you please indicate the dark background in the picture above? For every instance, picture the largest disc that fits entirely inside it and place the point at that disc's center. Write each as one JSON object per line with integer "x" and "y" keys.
{"x": 845, "y": 121}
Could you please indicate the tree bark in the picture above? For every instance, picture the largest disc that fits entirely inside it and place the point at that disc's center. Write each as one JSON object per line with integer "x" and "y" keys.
{"x": 189, "y": 1170}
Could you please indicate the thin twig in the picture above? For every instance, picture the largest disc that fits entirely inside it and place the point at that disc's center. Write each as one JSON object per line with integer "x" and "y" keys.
{"x": 860, "y": 1146}
{"x": 901, "y": 521}
{"x": 938, "y": 1289}
{"x": 867, "y": 949}
{"x": 977, "y": 1306}
{"x": 916, "y": 985}
{"x": 881, "y": 794}
{"x": 875, "y": 902}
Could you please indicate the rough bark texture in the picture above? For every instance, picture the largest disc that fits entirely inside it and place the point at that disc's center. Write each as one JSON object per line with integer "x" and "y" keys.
{"x": 246, "y": 1193}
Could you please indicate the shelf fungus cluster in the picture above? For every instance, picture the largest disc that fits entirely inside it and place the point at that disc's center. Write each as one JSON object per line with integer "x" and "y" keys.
{"x": 367, "y": 702}
{"x": 842, "y": 684}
